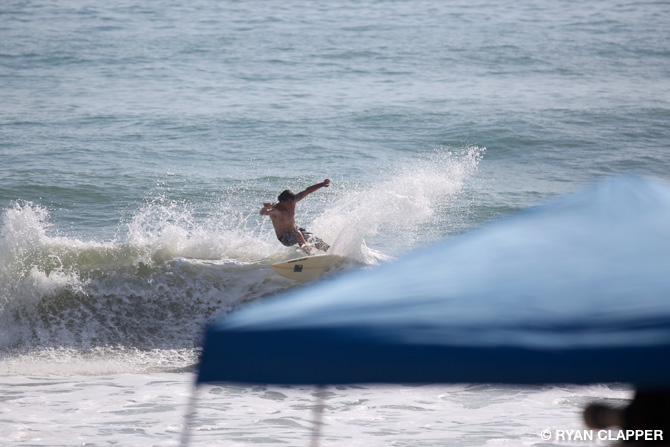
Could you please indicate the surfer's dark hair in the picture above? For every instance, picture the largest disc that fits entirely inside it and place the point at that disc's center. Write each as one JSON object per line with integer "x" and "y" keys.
{"x": 286, "y": 196}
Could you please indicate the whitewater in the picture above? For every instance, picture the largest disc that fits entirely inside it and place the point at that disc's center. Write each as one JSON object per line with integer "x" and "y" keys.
{"x": 171, "y": 272}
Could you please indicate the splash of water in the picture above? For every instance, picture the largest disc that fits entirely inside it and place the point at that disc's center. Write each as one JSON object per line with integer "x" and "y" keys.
{"x": 403, "y": 201}
{"x": 177, "y": 267}
{"x": 58, "y": 292}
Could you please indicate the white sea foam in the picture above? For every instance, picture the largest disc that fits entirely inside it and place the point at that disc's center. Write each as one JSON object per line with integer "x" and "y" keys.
{"x": 143, "y": 409}
{"x": 402, "y": 202}
{"x": 175, "y": 268}
{"x": 67, "y": 293}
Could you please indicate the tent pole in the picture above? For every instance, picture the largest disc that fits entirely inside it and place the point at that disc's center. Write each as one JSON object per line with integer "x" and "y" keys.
{"x": 317, "y": 416}
{"x": 189, "y": 417}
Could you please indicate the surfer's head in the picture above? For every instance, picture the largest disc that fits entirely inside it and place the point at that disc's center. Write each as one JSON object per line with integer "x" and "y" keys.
{"x": 286, "y": 195}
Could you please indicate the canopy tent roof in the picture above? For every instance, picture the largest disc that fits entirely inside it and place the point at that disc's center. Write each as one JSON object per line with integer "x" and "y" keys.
{"x": 575, "y": 291}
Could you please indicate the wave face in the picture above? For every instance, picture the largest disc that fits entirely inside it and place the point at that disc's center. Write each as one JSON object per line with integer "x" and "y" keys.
{"x": 152, "y": 290}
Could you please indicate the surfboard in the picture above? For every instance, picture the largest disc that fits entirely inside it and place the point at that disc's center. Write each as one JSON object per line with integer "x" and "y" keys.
{"x": 307, "y": 268}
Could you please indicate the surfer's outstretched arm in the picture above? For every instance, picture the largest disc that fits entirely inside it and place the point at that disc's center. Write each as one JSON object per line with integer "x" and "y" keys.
{"x": 267, "y": 208}
{"x": 302, "y": 194}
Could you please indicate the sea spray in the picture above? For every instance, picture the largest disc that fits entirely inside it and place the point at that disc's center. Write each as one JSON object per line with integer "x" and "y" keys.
{"x": 402, "y": 201}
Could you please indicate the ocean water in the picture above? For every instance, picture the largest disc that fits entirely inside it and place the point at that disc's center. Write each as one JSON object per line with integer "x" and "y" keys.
{"x": 138, "y": 140}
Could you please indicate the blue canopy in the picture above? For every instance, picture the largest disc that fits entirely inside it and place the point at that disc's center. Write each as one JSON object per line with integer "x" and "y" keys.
{"x": 575, "y": 291}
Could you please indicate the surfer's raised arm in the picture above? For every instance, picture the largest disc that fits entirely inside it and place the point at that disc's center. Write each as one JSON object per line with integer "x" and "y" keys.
{"x": 267, "y": 208}
{"x": 302, "y": 194}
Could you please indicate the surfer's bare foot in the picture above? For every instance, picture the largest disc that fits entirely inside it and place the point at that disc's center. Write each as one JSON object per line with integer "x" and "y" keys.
{"x": 307, "y": 249}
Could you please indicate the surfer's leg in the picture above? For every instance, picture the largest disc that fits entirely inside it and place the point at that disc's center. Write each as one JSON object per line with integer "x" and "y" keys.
{"x": 302, "y": 243}
{"x": 300, "y": 238}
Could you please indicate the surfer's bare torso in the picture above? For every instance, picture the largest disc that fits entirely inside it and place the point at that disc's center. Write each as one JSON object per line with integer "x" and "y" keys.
{"x": 282, "y": 215}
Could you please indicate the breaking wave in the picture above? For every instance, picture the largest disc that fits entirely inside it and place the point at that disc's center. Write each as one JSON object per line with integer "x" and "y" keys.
{"x": 141, "y": 302}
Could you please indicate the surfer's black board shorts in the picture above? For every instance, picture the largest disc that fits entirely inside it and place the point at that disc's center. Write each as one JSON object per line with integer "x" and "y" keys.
{"x": 291, "y": 238}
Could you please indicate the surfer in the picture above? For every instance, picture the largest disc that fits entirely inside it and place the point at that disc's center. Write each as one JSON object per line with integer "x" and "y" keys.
{"x": 282, "y": 215}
